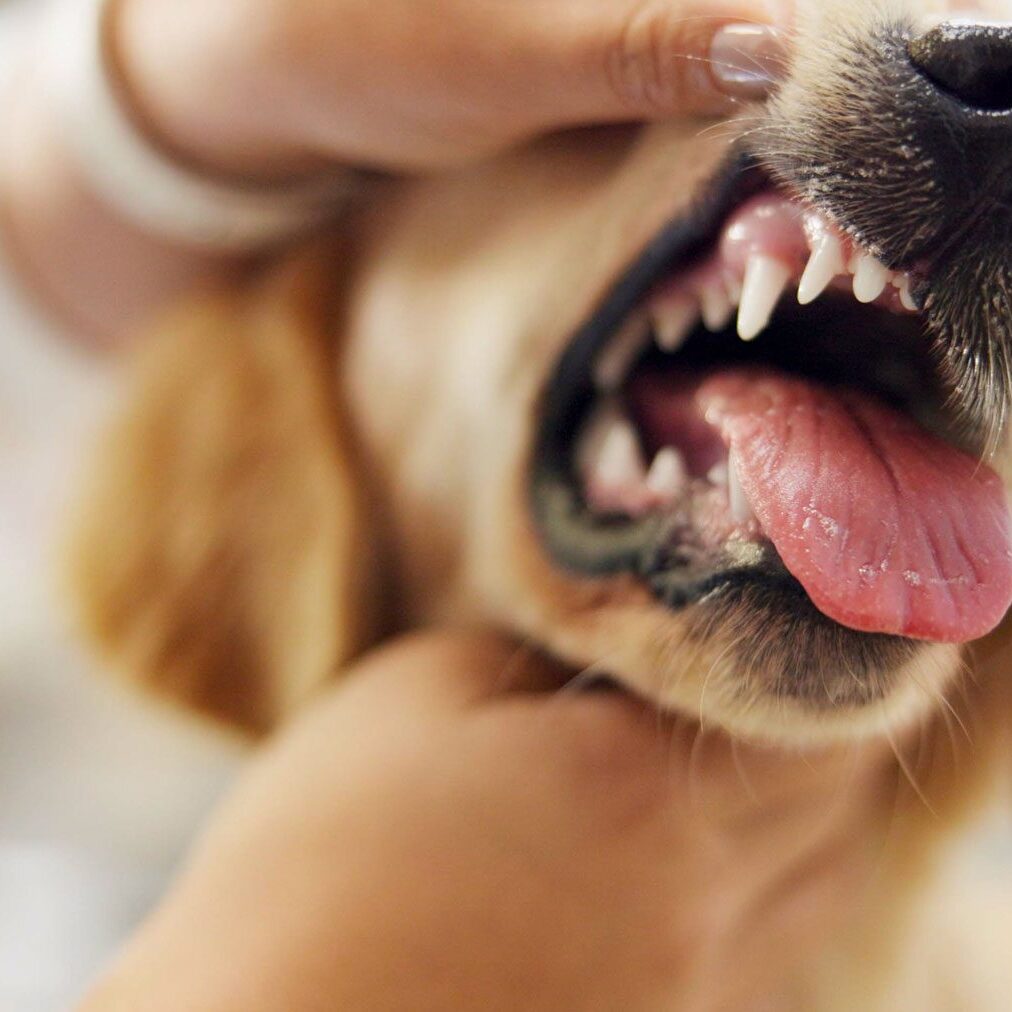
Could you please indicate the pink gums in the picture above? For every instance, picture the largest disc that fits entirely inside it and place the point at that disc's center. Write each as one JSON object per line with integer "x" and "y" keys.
{"x": 775, "y": 226}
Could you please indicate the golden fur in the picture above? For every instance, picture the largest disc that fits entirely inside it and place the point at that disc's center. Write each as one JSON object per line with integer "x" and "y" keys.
{"x": 336, "y": 451}
{"x": 222, "y": 554}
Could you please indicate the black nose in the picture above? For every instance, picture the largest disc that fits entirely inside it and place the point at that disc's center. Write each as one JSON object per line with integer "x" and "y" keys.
{"x": 972, "y": 62}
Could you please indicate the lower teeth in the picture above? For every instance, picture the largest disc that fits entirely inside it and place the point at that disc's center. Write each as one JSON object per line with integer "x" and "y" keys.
{"x": 615, "y": 477}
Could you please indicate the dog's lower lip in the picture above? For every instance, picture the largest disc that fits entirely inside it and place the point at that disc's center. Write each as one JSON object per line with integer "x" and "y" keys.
{"x": 661, "y": 546}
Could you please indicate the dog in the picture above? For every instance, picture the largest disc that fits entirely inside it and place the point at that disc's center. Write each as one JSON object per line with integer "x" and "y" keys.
{"x": 718, "y": 411}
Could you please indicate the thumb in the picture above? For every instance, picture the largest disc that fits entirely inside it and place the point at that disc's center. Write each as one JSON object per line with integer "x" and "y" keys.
{"x": 651, "y": 59}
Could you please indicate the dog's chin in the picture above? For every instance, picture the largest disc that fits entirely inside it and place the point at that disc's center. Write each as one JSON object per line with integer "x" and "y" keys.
{"x": 634, "y": 487}
{"x": 697, "y": 666}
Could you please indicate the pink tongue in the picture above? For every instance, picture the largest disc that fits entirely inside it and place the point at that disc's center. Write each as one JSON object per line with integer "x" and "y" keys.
{"x": 888, "y": 529}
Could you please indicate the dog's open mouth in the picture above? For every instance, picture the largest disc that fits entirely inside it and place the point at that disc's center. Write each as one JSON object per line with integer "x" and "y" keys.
{"x": 758, "y": 401}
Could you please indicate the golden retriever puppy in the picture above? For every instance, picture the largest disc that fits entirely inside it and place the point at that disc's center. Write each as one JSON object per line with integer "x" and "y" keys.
{"x": 718, "y": 411}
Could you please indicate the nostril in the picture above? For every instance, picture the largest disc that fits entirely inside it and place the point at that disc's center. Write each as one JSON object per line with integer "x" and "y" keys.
{"x": 971, "y": 61}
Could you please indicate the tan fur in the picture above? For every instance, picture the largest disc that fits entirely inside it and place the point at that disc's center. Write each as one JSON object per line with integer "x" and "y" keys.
{"x": 225, "y": 558}
{"x": 222, "y": 559}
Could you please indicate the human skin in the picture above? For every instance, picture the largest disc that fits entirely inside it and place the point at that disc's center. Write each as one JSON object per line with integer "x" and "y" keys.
{"x": 447, "y": 830}
{"x": 269, "y": 90}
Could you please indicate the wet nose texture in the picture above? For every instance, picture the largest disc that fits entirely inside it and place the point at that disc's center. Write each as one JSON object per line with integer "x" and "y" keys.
{"x": 971, "y": 62}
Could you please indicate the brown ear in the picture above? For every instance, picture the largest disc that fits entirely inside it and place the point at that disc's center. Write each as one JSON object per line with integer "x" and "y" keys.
{"x": 221, "y": 556}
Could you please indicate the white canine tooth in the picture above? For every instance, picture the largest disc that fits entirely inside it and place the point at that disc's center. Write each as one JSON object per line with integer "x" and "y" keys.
{"x": 619, "y": 463}
{"x": 615, "y": 361}
{"x": 902, "y": 283}
{"x": 765, "y": 281}
{"x": 673, "y": 321}
{"x": 667, "y": 475}
{"x": 741, "y": 509}
{"x": 870, "y": 278}
{"x": 825, "y": 263}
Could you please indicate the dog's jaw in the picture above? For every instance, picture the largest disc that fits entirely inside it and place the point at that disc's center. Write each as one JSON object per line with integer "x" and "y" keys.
{"x": 452, "y": 443}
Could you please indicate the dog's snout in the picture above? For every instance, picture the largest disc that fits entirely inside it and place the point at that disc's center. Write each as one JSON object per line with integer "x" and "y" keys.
{"x": 971, "y": 62}
{"x": 960, "y": 109}
{"x": 904, "y": 135}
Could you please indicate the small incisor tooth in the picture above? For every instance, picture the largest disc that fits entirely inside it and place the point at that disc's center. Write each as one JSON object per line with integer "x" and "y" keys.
{"x": 673, "y": 320}
{"x": 825, "y": 263}
{"x": 615, "y": 361}
{"x": 716, "y": 307}
{"x": 902, "y": 283}
{"x": 741, "y": 508}
{"x": 667, "y": 475}
{"x": 765, "y": 281}
{"x": 870, "y": 278}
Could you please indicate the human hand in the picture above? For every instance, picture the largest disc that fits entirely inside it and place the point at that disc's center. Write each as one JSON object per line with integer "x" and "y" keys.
{"x": 427, "y": 838}
{"x": 264, "y": 88}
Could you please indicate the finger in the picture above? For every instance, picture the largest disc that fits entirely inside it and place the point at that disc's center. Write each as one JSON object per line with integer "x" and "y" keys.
{"x": 651, "y": 59}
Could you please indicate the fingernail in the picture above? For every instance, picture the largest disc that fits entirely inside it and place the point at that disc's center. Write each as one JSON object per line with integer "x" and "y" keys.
{"x": 746, "y": 61}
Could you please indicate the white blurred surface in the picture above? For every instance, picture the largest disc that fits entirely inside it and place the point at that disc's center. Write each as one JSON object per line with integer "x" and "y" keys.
{"x": 100, "y": 792}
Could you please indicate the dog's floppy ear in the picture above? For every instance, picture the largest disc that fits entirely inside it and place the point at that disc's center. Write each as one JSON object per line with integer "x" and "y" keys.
{"x": 220, "y": 556}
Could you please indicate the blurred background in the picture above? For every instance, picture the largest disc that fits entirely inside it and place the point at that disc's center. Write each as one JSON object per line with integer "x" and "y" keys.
{"x": 99, "y": 791}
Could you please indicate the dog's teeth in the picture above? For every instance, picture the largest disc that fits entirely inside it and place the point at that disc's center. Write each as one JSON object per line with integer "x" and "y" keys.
{"x": 623, "y": 349}
{"x": 765, "y": 281}
{"x": 673, "y": 321}
{"x": 716, "y": 306}
{"x": 870, "y": 277}
{"x": 619, "y": 463}
{"x": 902, "y": 283}
{"x": 825, "y": 264}
{"x": 611, "y": 463}
{"x": 741, "y": 509}
{"x": 718, "y": 474}
{"x": 667, "y": 475}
